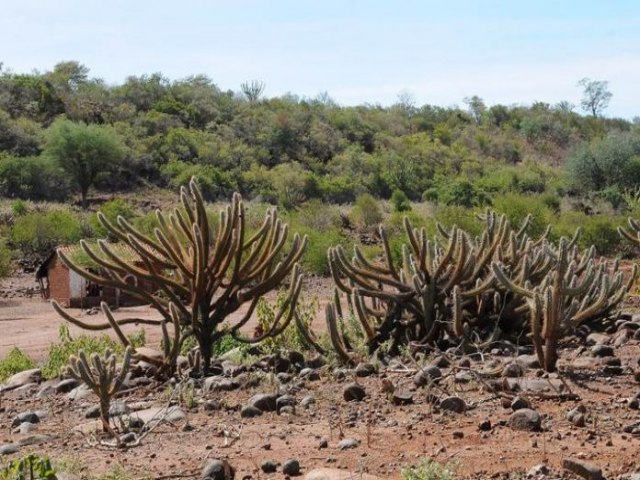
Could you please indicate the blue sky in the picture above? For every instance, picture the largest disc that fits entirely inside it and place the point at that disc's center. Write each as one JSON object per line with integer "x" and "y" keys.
{"x": 509, "y": 51}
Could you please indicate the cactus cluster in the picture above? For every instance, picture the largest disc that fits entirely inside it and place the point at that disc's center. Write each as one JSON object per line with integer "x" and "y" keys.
{"x": 102, "y": 376}
{"x": 201, "y": 273}
{"x": 501, "y": 284}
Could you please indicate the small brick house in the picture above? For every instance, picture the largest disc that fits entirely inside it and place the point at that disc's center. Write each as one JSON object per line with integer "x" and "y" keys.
{"x": 58, "y": 282}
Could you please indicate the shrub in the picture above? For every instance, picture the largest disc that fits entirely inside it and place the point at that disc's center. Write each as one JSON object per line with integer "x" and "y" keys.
{"x": 30, "y": 467}
{"x": 112, "y": 210}
{"x": 36, "y": 233}
{"x": 315, "y": 258}
{"x": 366, "y": 211}
{"x": 34, "y": 178}
{"x": 601, "y": 232}
{"x": 19, "y": 207}
{"x": 428, "y": 469}
{"x": 400, "y": 201}
{"x": 15, "y": 361}
{"x": 516, "y": 207}
{"x": 214, "y": 183}
{"x": 6, "y": 256}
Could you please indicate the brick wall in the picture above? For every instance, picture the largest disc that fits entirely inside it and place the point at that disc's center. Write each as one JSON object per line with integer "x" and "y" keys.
{"x": 59, "y": 288}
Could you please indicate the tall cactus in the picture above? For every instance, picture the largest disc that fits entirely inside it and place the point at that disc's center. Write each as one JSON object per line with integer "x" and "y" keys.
{"x": 201, "y": 273}
{"x": 101, "y": 375}
{"x": 574, "y": 291}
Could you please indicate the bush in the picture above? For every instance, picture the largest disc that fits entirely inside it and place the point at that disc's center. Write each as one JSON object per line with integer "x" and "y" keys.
{"x": 30, "y": 467}
{"x": 6, "y": 257}
{"x": 214, "y": 183}
{"x": 516, "y": 207}
{"x": 15, "y": 361}
{"x": 400, "y": 201}
{"x": 37, "y": 234}
{"x": 32, "y": 178}
{"x": 601, "y": 232}
{"x": 112, "y": 210}
{"x": 428, "y": 469}
{"x": 366, "y": 211}
{"x": 315, "y": 258}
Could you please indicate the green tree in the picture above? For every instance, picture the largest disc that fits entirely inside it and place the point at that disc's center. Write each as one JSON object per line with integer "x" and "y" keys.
{"x": 595, "y": 96}
{"x": 83, "y": 151}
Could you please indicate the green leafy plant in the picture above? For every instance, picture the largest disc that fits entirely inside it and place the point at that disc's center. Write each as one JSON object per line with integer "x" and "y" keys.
{"x": 15, "y": 361}
{"x": 429, "y": 469}
{"x": 29, "y": 467}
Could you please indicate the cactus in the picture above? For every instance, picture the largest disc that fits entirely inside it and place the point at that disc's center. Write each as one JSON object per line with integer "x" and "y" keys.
{"x": 574, "y": 291}
{"x": 101, "y": 375}
{"x": 201, "y": 274}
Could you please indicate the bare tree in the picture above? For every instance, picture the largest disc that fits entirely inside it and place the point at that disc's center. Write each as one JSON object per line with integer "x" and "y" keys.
{"x": 252, "y": 90}
{"x": 595, "y": 97}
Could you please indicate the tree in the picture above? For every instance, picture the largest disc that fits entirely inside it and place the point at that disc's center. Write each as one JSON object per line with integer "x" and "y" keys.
{"x": 83, "y": 151}
{"x": 252, "y": 90}
{"x": 595, "y": 97}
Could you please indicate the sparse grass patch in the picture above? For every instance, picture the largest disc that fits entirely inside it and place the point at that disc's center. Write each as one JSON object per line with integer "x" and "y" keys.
{"x": 429, "y": 469}
{"x": 16, "y": 361}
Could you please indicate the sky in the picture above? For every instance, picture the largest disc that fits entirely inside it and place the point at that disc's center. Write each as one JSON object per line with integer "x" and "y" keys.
{"x": 357, "y": 51}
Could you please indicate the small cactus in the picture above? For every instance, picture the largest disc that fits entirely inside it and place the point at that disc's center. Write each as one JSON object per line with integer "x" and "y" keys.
{"x": 101, "y": 375}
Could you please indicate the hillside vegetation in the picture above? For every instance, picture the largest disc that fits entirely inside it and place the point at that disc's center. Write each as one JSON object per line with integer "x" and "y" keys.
{"x": 65, "y": 135}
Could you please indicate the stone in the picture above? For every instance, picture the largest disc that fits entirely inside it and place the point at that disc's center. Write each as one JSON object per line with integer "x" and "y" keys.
{"x": 538, "y": 470}
{"x": 284, "y": 377}
{"x": 118, "y": 409}
{"x": 31, "y": 417}
{"x": 268, "y": 466}
{"x": 513, "y": 370}
{"x": 291, "y": 467}
{"x": 520, "y": 402}
{"x": 9, "y": 448}
{"x": 218, "y": 470}
{"x": 65, "y": 386}
{"x": 264, "y": 401}
{"x": 583, "y": 469}
{"x": 485, "y": 425}
{"x": 285, "y": 401}
{"x": 528, "y": 361}
{"x": 353, "y": 391}
{"x": 348, "y": 443}
{"x": 525, "y": 419}
{"x": 453, "y": 404}
{"x": 22, "y": 378}
{"x": 249, "y": 411}
{"x": 402, "y": 397}
{"x": 323, "y": 443}
{"x": 428, "y": 375}
{"x": 80, "y": 392}
{"x": 307, "y": 401}
{"x": 597, "y": 339}
{"x": 310, "y": 374}
{"x": 634, "y": 402}
{"x": 441, "y": 361}
{"x": 577, "y": 416}
{"x": 602, "y": 351}
{"x": 365, "y": 370}
{"x": 25, "y": 427}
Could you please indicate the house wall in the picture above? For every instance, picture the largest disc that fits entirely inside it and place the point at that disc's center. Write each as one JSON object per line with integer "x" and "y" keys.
{"x": 59, "y": 288}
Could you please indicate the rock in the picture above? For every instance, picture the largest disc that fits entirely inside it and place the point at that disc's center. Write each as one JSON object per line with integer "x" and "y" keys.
{"x": 485, "y": 425}
{"x": 212, "y": 405}
{"x": 634, "y": 402}
{"x": 402, "y": 397}
{"x": 441, "y": 361}
{"x": 218, "y": 470}
{"x": 31, "y": 417}
{"x": 249, "y": 411}
{"x": 525, "y": 419}
{"x": 307, "y": 401}
{"x": 9, "y": 448}
{"x": 428, "y": 375}
{"x": 463, "y": 377}
{"x": 269, "y": 466}
{"x": 597, "y": 339}
{"x": 365, "y": 370}
{"x": 310, "y": 374}
{"x": 513, "y": 370}
{"x": 353, "y": 391}
{"x": 528, "y": 361}
{"x": 323, "y": 443}
{"x": 348, "y": 443}
{"x": 577, "y": 416}
{"x": 21, "y": 379}
{"x": 92, "y": 412}
{"x": 316, "y": 362}
{"x": 585, "y": 470}
{"x": 284, "y": 377}
{"x": 538, "y": 470}
{"x": 25, "y": 427}
{"x": 118, "y": 409}
{"x": 520, "y": 402}
{"x": 79, "y": 393}
{"x": 46, "y": 390}
{"x": 337, "y": 474}
{"x": 285, "y": 401}
{"x": 264, "y": 401}
{"x": 65, "y": 386}
{"x": 602, "y": 351}
{"x": 636, "y": 375}
{"x": 453, "y": 404}
{"x": 291, "y": 467}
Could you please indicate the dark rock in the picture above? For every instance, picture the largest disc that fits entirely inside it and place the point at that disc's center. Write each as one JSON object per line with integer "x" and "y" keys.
{"x": 465, "y": 362}
{"x": 585, "y": 470}
{"x": 577, "y": 416}
{"x": 291, "y": 467}
{"x": 296, "y": 359}
{"x": 212, "y": 405}
{"x": 602, "y": 351}
{"x": 310, "y": 374}
{"x": 463, "y": 377}
{"x": 453, "y": 404}
{"x": 636, "y": 335}
{"x": 365, "y": 370}
{"x": 92, "y": 412}
{"x": 284, "y": 377}
{"x": 339, "y": 374}
{"x": 528, "y": 361}
{"x": 117, "y": 409}
{"x": 402, "y": 397}
{"x": 307, "y": 401}
{"x": 525, "y": 419}
{"x": 264, "y": 401}
{"x": 316, "y": 362}
{"x": 428, "y": 375}
{"x": 485, "y": 425}
{"x": 323, "y": 443}
{"x": 250, "y": 411}
{"x": 218, "y": 470}
{"x": 519, "y": 402}
{"x": 65, "y": 386}
{"x": 9, "y": 448}
{"x": 597, "y": 338}
{"x": 634, "y": 402}
{"x": 269, "y": 466}
{"x": 513, "y": 370}
{"x": 441, "y": 361}
{"x": 348, "y": 443}
{"x": 353, "y": 391}
{"x": 285, "y": 401}
{"x": 30, "y": 417}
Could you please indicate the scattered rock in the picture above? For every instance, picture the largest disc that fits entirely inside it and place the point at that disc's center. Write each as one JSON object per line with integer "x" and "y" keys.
{"x": 291, "y": 467}
{"x": 9, "y": 448}
{"x": 323, "y": 443}
{"x": 365, "y": 370}
{"x": 513, "y": 370}
{"x": 577, "y": 416}
{"x": 634, "y": 402}
{"x": 528, "y": 361}
{"x": 427, "y": 375}
{"x": 485, "y": 425}
{"x": 285, "y": 401}
{"x": 31, "y": 417}
{"x": 310, "y": 374}
{"x": 218, "y": 470}
{"x": 597, "y": 339}
{"x": 22, "y": 378}
{"x": 538, "y": 470}
{"x": 337, "y": 474}
{"x": 307, "y": 401}
{"x": 520, "y": 402}
{"x": 250, "y": 411}
{"x": 585, "y": 470}
{"x": 402, "y": 397}
{"x": 353, "y": 391}
{"x": 264, "y": 401}
{"x": 453, "y": 404}
{"x": 269, "y": 466}
{"x": 25, "y": 427}
{"x": 525, "y": 419}
{"x": 348, "y": 443}
{"x": 65, "y": 386}
{"x": 602, "y": 351}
